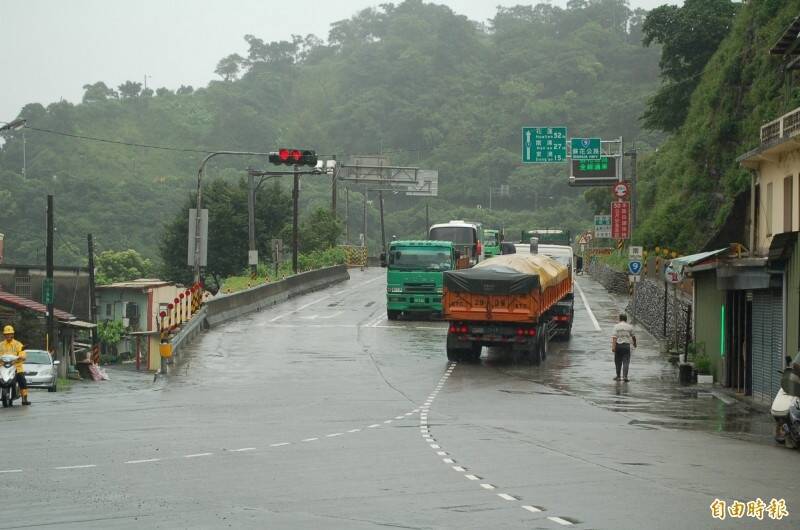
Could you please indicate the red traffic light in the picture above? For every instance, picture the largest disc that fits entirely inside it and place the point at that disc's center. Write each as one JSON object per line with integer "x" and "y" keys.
{"x": 293, "y": 157}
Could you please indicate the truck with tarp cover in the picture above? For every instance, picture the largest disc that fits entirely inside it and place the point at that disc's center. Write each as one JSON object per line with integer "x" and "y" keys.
{"x": 515, "y": 301}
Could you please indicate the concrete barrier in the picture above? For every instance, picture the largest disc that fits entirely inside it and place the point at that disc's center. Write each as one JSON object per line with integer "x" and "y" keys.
{"x": 229, "y": 306}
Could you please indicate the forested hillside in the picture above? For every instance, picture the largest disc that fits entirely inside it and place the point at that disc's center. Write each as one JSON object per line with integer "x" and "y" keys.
{"x": 688, "y": 187}
{"x": 414, "y": 81}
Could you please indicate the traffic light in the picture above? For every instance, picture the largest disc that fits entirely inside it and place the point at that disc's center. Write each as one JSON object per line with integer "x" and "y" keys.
{"x": 293, "y": 157}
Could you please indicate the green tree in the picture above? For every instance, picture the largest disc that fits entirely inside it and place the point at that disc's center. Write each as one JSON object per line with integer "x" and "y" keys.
{"x": 228, "y": 67}
{"x": 121, "y": 266}
{"x": 689, "y": 35}
{"x": 129, "y": 89}
{"x": 98, "y": 92}
{"x": 320, "y": 231}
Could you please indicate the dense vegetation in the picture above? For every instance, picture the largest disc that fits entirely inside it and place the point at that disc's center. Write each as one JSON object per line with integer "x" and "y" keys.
{"x": 415, "y": 82}
{"x": 688, "y": 187}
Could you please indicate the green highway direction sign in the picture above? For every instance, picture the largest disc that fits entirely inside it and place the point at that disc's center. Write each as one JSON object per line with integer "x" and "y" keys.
{"x": 585, "y": 148}
{"x": 48, "y": 294}
{"x": 543, "y": 145}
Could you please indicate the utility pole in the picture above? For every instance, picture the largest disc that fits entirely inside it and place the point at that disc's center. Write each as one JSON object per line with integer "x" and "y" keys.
{"x": 49, "y": 290}
{"x": 333, "y": 193}
{"x": 251, "y": 222}
{"x": 427, "y": 219}
{"x": 295, "y": 228}
{"x": 490, "y": 197}
{"x": 366, "y": 244}
{"x": 383, "y": 231}
{"x": 346, "y": 215}
{"x": 92, "y": 295}
{"x": 634, "y": 197}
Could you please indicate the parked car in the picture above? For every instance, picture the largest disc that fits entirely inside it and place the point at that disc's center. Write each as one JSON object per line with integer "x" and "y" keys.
{"x": 40, "y": 370}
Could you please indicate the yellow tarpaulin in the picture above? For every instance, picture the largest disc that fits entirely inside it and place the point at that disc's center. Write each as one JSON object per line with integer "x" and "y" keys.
{"x": 550, "y": 271}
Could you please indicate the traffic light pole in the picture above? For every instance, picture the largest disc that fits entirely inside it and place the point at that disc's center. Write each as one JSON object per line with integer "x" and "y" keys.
{"x": 295, "y": 228}
{"x": 200, "y": 174}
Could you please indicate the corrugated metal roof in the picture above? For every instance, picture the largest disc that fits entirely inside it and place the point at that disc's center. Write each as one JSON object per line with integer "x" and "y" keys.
{"x": 25, "y": 303}
{"x": 142, "y": 283}
{"x": 688, "y": 261}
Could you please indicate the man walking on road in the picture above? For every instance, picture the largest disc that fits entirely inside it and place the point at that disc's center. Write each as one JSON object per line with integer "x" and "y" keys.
{"x": 621, "y": 342}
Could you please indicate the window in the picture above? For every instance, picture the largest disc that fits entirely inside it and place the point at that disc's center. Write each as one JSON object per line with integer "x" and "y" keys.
{"x": 756, "y": 215}
{"x": 788, "y": 197}
{"x": 22, "y": 284}
{"x": 108, "y": 310}
{"x": 768, "y": 212}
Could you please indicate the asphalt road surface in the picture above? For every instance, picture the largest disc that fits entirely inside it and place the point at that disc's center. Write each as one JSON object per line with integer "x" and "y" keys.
{"x": 320, "y": 413}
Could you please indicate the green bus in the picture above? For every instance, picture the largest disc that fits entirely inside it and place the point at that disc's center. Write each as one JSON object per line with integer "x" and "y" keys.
{"x": 414, "y": 276}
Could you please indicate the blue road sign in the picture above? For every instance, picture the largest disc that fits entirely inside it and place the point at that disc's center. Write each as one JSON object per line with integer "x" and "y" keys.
{"x": 635, "y": 267}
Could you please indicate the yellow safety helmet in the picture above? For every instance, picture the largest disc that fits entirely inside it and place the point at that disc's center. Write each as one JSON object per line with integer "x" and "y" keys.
{"x": 8, "y": 330}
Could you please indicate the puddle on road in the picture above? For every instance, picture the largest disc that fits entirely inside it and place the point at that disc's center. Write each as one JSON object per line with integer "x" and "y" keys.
{"x": 654, "y": 397}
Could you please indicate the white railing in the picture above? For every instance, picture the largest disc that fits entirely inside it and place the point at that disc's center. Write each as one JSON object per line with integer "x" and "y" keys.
{"x": 786, "y": 126}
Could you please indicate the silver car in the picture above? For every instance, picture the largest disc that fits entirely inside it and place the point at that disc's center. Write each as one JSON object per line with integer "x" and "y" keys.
{"x": 40, "y": 370}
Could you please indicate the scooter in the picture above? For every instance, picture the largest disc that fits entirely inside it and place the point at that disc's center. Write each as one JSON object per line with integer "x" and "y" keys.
{"x": 9, "y": 390}
{"x": 786, "y": 406}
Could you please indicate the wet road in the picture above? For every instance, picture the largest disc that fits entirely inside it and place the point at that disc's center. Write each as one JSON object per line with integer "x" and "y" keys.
{"x": 319, "y": 413}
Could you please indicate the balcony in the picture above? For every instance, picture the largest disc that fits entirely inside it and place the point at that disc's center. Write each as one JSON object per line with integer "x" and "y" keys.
{"x": 787, "y": 126}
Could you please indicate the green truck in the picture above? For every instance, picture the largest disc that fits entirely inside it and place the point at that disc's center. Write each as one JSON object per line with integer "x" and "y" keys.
{"x": 414, "y": 276}
{"x": 491, "y": 242}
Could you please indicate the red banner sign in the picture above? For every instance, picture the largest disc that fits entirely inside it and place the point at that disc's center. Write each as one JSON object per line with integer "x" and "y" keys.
{"x": 621, "y": 220}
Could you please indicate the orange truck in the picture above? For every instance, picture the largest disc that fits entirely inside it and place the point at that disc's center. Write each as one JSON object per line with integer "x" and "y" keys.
{"x": 516, "y": 301}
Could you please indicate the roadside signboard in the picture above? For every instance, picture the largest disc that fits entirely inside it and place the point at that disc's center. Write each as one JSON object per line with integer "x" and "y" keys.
{"x": 585, "y": 148}
{"x": 602, "y": 172}
{"x": 635, "y": 253}
{"x": 621, "y": 190}
{"x": 193, "y": 239}
{"x": 620, "y": 220}
{"x": 543, "y": 145}
{"x": 602, "y": 226}
{"x": 634, "y": 267}
{"x": 671, "y": 275}
{"x": 48, "y": 293}
{"x": 633, "y": 278}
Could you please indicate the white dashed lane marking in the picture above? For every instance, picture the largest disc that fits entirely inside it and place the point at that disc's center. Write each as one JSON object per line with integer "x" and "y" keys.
{"x": 11, "y": 471}
{"x": 310, "y": 440}
{"x": 243, "y": 449}
{"x": 85, "y": 466}
{"x": 334, "y": 435}
{"x": 143, "y": 461}
{"x": 424, "y": 432}
{"x": 279, "y": 444}
{"x": 197, "y": 455}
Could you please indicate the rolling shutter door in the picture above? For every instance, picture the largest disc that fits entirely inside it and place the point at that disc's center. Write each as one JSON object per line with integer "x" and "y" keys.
{"x": 767, "y": 343}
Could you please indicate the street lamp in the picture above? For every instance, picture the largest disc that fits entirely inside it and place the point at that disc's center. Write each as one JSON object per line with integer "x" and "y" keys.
{"x": 16, "y": 125}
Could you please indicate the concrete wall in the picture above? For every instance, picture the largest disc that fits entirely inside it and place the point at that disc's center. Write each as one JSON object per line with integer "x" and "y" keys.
{"x": 614, "y": 281}
{"x": 774, "y": 173}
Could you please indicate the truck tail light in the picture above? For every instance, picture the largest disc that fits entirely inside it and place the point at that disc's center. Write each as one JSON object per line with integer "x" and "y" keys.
{"x": 464, "y": 329}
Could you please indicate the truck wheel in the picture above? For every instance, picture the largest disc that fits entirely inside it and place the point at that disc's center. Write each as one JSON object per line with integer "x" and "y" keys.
{"x": 392, "y": 314}
{"x": 535, "y": 352}
{"x": 475, "y": 353}
{"x": 453, "y": 355}
{"x": 544, "y": 343}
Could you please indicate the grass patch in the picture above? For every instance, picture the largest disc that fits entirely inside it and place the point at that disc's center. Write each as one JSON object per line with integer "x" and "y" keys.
{"x": 616, "y": 261}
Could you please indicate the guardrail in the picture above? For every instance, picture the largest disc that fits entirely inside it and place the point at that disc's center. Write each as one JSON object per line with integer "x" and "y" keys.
{"x": 786, "y": 126}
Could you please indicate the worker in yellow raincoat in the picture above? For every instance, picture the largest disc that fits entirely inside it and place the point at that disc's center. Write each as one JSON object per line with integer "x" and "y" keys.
{"x": 10, "y": 346}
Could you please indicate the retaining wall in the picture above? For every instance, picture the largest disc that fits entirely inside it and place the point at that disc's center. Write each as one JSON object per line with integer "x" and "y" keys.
{"x": 648, "y": 306}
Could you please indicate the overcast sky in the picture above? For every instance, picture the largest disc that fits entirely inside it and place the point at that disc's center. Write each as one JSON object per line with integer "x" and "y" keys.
{"x": 51, "y": 48}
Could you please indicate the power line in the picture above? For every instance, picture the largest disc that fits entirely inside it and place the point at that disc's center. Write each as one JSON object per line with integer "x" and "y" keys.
{"x": 119, "y": 142}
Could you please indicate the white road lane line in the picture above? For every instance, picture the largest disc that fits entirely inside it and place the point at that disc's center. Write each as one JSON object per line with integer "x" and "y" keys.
{"x": 560, "y": 521}
{"x": 399, "y": 417}
{"x": 10, "y": 471}
{"x": 435, "y": 446}
{"x": 144, "y": 461}
{"x": 279, "y": 444}
{"x": 471, "y": 477}
{"x": 588, "y": 309}
{"x": 310, "y": 440}
{"x": 300, "y": 308}
{"x": 441, "y": 453}
{"x": 507, "y": 497}
{"x": 388, "y": 421}
{"x": 487, "y": 486}
{"x": 532, "y": 509}
{"x": 334, "y": 435}
{"x": 243, "y": 450}
{"x": 197, "y": 455}
{"x": 374, "y": 425}
{"x": 77, "y": 467}
{"x": 459, "y": 469}
{"x": 448, "y": 461}
{"x": 354, "y": 430}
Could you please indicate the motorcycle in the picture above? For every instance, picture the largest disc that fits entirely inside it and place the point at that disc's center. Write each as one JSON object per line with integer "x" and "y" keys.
{"x": 9, "y": 390}
{"x": 786, "y": 406}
